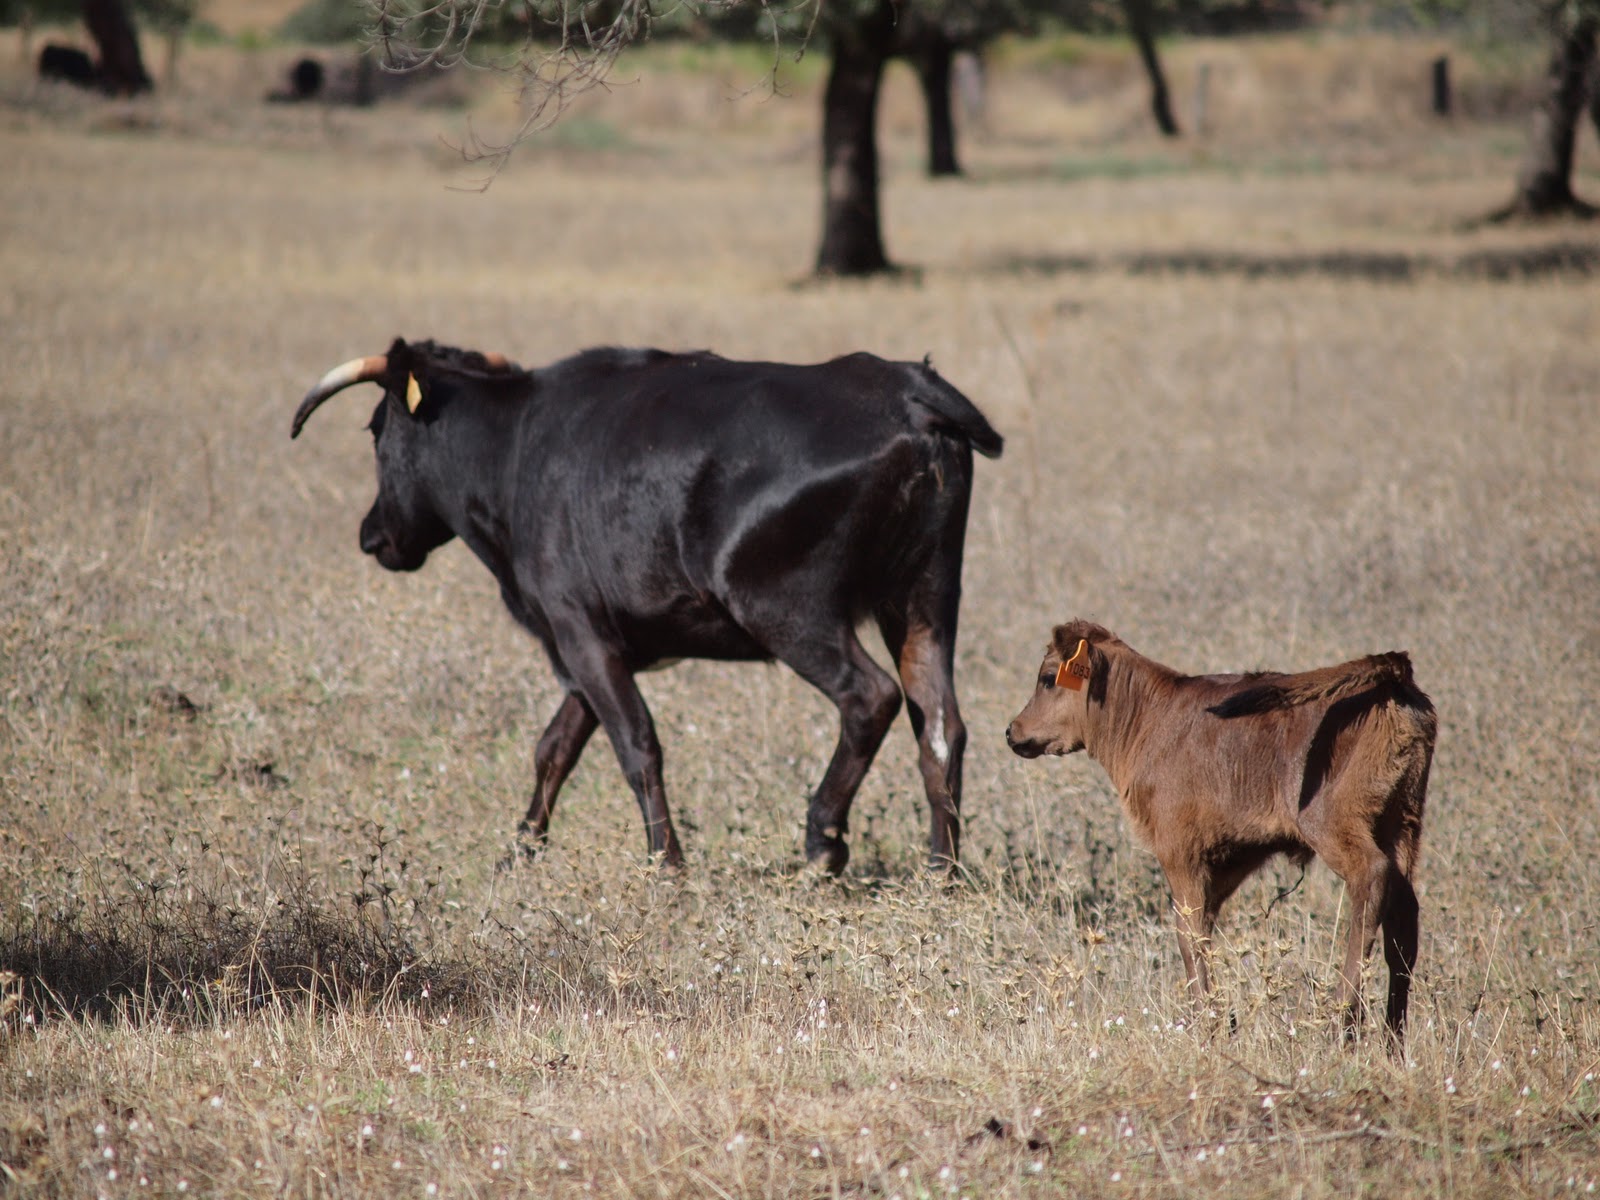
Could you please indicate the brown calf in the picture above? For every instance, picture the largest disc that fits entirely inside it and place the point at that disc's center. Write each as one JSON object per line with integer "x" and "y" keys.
{"x": 1220, "y": 772}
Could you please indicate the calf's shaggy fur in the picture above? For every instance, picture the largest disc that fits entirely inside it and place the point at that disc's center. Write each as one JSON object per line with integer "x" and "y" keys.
{"x": 1218, "y": 773}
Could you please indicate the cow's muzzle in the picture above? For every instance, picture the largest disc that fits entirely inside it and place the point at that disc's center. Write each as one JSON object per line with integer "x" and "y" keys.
{"x": 376, "y": 542}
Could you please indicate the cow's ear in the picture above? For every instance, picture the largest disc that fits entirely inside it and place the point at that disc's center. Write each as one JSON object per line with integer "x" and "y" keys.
{"x": 1073, "y": 671}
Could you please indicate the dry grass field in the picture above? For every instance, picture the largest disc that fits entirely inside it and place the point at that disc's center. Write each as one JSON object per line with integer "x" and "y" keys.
{"x": 1271, "y": 400}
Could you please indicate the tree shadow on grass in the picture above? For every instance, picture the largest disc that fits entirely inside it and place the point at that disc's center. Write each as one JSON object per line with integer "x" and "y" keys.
{"x": 195, "y": 959}
{"x": 1570, "y": 259}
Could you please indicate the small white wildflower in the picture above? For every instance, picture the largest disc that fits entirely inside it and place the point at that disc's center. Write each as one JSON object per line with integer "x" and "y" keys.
{"x": 816, "y": 1152}
{"x": 100, "y": 1130}
{"x": 576, "y": 1135}
{"x": 108, "y": 1152}
{"x": 1038, "y": 1112}
{"x": 432, "y": 1189}
{"x": 1268, "y": 1102}
{"x": 944, "y": 1172}
{"x": 183, "y": 1185}
{"x": 1036, "y": 1167}
{"x": 561, "y": 1164}
{"x": 1200, "y": 1156}
{"x": 1116, "y": 1177}
{"x": 216, "y": 1102}
{"x": 397, "y": 1165}
{"x": 1083, "y": 1131}
{"x": 1495, "y": 1065}
{"x": 366, "y": 1131}
{"x": 111, "y": 1173}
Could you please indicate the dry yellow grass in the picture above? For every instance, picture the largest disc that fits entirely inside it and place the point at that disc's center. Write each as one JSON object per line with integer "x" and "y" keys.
{"x": 1230, "y": 470}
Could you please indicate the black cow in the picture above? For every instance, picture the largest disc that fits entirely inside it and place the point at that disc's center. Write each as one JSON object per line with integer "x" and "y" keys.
{"x": 67, "y": 63}
{"x": 639, "y": 507}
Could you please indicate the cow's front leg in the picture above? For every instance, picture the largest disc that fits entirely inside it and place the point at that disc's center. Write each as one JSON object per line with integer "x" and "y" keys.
{"x": 559, "y": 748}
{"x": 608, "y": 689}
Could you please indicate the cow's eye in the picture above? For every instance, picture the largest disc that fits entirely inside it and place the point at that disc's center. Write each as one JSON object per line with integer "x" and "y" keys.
{"x": 1047, "y": 679}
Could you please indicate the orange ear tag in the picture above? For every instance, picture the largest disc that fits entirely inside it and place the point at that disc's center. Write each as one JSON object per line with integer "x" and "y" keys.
{"x": 1071, "y": 673}
{"x": 413, "y": 393}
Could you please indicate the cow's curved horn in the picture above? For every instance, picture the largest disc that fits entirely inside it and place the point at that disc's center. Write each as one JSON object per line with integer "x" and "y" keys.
{"x": 496, "y": 361}
{"x": 357, "y": 370}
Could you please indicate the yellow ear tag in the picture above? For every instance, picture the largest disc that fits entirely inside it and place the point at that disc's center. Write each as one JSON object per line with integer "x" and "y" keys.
{"x": 1071, "y": 673}
{"x": 413, "y": 393}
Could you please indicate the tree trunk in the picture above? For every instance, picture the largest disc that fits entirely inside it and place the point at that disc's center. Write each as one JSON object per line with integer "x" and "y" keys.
{"x": 121, "y": 66}
{"x": 1141, "y": 26}
{"x": 932, "y": 60}
{"x": 1544, "y": 182}
{"x": 852, "y": 240}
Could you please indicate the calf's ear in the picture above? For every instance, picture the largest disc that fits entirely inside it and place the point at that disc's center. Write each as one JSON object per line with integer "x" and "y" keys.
{"x": 1073, "y": 671}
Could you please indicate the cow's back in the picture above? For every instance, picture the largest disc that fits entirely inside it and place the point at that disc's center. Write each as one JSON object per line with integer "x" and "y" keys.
{"x": 660, "y": 478}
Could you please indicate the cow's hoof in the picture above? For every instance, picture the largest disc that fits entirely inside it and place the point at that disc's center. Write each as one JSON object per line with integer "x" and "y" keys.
{"x": 525, "y": 848}
{"x": 827, "y": 854}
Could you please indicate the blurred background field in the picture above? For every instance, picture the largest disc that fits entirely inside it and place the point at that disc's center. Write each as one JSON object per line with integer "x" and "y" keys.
{"x": 1274, "y": 396}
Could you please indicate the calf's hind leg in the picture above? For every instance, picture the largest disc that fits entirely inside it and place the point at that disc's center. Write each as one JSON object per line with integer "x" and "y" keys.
{"x": 1400, "y": 937}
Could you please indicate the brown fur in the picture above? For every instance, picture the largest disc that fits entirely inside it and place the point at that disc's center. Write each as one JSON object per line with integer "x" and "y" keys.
{"x": 1220, "y": 772}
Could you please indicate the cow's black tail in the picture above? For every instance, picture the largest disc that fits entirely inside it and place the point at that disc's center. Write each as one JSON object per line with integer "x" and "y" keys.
{"x": 952, "y": 413}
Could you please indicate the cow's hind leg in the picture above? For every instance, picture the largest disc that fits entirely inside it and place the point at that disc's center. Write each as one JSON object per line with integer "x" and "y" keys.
{"x": 867, "y": 700}
{"x": 559, "y": 748}
{"x": 924, "y": 651}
